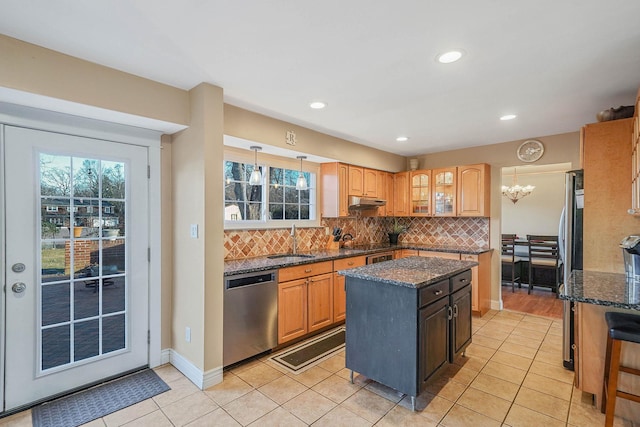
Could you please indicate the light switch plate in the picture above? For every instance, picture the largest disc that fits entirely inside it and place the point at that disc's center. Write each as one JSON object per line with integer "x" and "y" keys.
{"x": 194, "y": 231}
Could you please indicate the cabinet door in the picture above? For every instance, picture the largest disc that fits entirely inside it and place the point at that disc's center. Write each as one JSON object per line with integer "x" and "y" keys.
{"x": 421, "y": 193}
{"x": 370, "y": 183}
{"x": 473, "y": 190}
{"x": 475, "y": 284}
{"x": 356, "y": 181}
{"x": 401, "y": 194}
{"x": 433, "y": 339}
{"x": 339, "y": 298}
{"x": 292, "y": 310}
{"x": 343, "y": 190}
{"x": 444, "y": 192}
{"x": 320, "y": 301}
{"x": 390, "y": 194}
{"x": 461, "y": 322}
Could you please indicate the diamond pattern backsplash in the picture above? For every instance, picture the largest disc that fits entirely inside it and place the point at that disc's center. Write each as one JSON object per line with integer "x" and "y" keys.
{"x": 434, "y": 231}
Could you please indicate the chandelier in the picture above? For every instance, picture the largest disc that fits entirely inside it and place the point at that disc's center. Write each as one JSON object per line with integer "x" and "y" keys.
{"x": 516, "y": 192}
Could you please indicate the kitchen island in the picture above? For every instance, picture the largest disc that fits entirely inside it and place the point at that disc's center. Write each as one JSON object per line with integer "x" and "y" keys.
{"x": 595, "y": 293}
{"x": 406, "y": 319}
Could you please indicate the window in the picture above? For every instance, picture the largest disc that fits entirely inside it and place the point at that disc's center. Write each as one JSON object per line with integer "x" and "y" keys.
{"x": 52, "y": 208}
{"x": 275, "y": 200}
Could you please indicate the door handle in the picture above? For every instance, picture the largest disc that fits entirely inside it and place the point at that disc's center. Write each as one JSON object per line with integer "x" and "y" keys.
{"x": 18, "y": 287}
{"x": 455, "y": 310}
{"x": 450, "y": 313}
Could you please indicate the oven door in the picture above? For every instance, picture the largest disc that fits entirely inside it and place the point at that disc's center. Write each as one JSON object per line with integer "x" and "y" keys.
{"x": 380, "y": 257}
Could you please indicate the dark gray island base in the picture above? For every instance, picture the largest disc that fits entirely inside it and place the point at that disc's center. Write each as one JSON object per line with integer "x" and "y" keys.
{"x": 406, "y": 319}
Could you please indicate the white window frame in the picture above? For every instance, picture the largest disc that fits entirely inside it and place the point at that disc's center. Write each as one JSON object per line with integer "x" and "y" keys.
{"x": 266, "y": 161}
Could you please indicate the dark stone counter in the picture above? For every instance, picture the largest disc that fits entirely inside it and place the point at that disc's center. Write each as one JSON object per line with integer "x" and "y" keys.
{"x": 251, "y": 265}
{"x": 608, "y": 289}
{"x": 411, "y": 272}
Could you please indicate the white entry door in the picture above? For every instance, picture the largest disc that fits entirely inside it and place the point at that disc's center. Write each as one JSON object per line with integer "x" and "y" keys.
{"x": 76, "y": 262}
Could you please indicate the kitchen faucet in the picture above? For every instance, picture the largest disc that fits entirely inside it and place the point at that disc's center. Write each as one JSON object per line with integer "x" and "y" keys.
{"x": 295, "y": 241}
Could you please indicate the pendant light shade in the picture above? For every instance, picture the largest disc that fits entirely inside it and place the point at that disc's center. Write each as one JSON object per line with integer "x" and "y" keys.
{"x": 256, "y": 176}
{"x": 301, "y": 183}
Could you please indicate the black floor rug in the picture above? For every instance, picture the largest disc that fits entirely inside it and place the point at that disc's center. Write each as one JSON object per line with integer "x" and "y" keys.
{"x": 96, "y": 402}
{"x": 311, "y": 352}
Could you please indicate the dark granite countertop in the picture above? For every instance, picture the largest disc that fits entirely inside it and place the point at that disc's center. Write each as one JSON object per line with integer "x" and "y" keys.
{"x": 610, "y": 289}
{"x": 411, "y": 272}
{"x": 263, "y": 263}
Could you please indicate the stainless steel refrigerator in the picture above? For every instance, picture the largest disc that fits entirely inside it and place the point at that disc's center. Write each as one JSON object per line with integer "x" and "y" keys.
{"x": 570, "y": 235}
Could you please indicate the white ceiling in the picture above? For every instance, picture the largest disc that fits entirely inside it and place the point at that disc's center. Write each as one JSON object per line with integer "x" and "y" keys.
{"x": 553, "y": 63}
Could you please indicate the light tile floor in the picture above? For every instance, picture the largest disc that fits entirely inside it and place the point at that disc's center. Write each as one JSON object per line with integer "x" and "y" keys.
{"x": 512, "y": 375}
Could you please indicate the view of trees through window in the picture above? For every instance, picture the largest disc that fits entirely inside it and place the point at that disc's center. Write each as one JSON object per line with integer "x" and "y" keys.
{"x": 281, "y": 201}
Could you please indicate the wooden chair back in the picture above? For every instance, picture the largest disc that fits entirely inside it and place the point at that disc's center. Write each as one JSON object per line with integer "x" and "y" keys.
{"x": 508, "y": 246}
{"x": 543, "y": 250}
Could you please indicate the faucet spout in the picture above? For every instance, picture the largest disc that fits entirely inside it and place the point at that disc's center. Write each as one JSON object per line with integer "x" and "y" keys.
{"x": 295, "y": 240}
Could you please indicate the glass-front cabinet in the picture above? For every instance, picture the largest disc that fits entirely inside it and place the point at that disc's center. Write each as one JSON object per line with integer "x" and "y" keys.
{"x": 444, "y": 192}
{"x": 421, "y": 193}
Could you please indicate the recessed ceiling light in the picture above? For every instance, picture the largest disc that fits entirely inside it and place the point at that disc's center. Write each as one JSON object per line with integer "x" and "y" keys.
{"x": 451, "y": 56}
{"x": 318, "y": 105}
{"x": 402, "y": 138}
{"x": 508, "y": 117}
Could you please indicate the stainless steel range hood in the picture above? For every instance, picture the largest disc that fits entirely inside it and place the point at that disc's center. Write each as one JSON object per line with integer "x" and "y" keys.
{"x": 361, "y": 203}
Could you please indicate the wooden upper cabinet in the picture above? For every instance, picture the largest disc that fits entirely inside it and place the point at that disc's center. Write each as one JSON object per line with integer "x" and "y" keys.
{"x": 444, "y": 191}
{"x": 420, "y": 193}
{"x": 401, "y": 194}
{"x": 356, "y": 181}
{"x": 335, "y": 190}
{"x": 388, "y": 209}
{"x": 474, "y": 185}
{"x": 370, "y": 183}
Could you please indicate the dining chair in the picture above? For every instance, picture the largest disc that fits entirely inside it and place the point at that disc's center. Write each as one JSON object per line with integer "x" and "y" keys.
{"x": 543, "y": 254}
{"x": 509, "y": 259}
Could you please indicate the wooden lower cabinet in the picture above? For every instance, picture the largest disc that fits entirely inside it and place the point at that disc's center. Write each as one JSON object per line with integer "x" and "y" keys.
{"x": 339, "y": 294}
{"x": 480, "y": 282}
{"x": 292, "y": 310}
{"x": 447, "y": 255}
{"x": 320, "y": 301}
{"x": 433, "y": 334}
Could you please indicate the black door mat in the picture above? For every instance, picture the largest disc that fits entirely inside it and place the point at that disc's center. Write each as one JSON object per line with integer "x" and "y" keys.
{"x": 311, "y": 352}
{"x": 96, "y": 402}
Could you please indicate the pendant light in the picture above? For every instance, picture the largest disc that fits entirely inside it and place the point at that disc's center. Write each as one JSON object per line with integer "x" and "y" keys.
{"x": 256, "y": 176}
{"x": 301, "y": 183}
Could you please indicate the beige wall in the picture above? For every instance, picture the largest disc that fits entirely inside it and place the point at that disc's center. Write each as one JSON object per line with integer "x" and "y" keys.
{"x": 539, "y": 212}
{"x": 558, "y": 149}
{"x": 198, "y": 263}
{"x": 34, "y": 69}
{"x": 256, "y": 127}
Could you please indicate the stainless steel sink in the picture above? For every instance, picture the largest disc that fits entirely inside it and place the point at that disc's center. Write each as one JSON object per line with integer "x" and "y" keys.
{"x": 290, "y": 256}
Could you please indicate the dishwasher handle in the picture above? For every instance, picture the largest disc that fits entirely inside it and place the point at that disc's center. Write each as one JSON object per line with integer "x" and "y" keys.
{"x": 250, "y": 279}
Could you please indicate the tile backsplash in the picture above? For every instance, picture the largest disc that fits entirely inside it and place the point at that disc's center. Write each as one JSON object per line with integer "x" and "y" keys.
{"x": 365, "y": 230}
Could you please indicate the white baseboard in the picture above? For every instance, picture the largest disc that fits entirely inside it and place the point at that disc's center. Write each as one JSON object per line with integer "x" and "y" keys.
{"x": 202, "y": 380}
{"x": 165, "y": 356}
{"x": 496, "y": 305}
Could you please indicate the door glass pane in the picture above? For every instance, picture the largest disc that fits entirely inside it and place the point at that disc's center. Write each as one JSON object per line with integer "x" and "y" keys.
{"x": 83, "y": 205}
{"x": 56, "y": 346}
{"x": 86, "y": 336}
{"x": 113, "y": 297}
{"x": 55, "y": 264}
{"x": 56, "y": 307}
{"x": 113, "y": 336}
{"x": 86, "y": 179}
{"x": 86, "y": 302}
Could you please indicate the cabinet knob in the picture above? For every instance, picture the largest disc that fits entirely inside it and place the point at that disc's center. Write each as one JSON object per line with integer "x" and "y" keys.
{"x": 438, "y": 292}
{"x": 308, "y": 270}
{"x": 350, "y": 263}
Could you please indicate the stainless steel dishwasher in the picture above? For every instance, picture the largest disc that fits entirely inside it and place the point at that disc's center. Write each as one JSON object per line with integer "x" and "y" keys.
{"x": 250, "y": 315}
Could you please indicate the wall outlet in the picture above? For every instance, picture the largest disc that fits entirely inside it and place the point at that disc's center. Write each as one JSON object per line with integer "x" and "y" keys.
{"x": 194, "y": 231}
{"x": 187, "y": 334}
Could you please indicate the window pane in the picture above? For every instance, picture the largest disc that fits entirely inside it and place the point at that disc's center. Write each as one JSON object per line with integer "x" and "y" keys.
{"x": 232, "y": 212}
{"x": 56, "y": 346}
{"x": 113, "y": 180}
{"x": 275, "y": 211}
{"x": 113, "y": 333}
{"x": 291, "y": 195}
{"x": 86, "y": 337}
{"x": 85, "y": 300}
{"x": 290, "y": 177}
{"x": 276, "y": 194}
{"x": 291, "y": 211}
{"x": 276, "y": 176}
{"x": 304, "y": 212}
{"x": 254, "y": 211}
{"x": 55, "y": 304}
{"x": 304, "y": 196}
{"x": 254, "y": 193}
